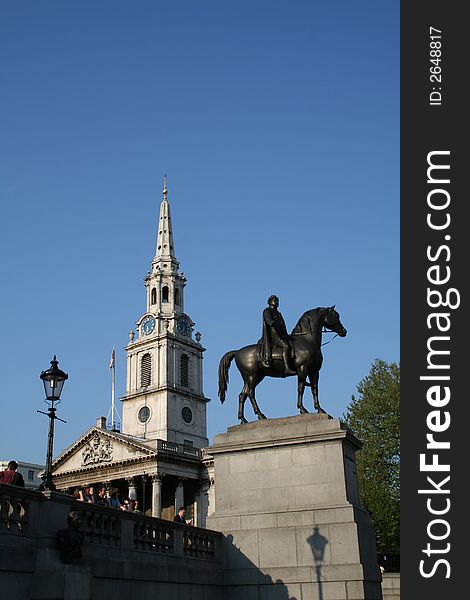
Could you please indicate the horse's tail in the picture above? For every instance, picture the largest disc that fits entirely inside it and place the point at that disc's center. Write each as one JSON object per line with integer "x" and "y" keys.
{"x": 224, "y": 366}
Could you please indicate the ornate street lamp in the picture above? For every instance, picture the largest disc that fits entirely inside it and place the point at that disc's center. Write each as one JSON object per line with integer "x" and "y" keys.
{"x": 53, "y": 380}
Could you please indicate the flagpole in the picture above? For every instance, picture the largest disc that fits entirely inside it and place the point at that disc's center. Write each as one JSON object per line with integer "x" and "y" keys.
{"x": 113, "y": 384}
{"x": 113, "y": 380}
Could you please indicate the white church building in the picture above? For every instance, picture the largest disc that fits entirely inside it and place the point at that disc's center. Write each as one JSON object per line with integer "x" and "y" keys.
{"x": 157, "y": 456}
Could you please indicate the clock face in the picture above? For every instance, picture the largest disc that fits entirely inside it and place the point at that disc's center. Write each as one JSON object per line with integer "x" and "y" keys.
{"x": 148, "y": 325}
{"x": 183, "y": 326}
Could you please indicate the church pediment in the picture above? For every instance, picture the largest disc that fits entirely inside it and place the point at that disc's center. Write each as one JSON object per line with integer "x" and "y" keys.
{"x": 100, "y": 448}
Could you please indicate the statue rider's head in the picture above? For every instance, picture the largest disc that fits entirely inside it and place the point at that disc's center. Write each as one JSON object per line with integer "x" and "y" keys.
{"x": 273, "y": 301}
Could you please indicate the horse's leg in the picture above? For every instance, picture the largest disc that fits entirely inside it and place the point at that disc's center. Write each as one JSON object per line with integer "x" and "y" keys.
{"x": 251, "y": 394}
{"x": 300, "y": 390}
{"x": 314, "y": 384}
{"x": 241, "y": 404}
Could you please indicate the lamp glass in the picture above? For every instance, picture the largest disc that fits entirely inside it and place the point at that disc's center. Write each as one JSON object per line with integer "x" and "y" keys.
{"x": 53, "y": 388}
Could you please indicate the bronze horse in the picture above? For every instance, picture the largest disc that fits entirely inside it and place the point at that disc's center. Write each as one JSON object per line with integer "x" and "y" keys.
{"x": 306, "y": 340}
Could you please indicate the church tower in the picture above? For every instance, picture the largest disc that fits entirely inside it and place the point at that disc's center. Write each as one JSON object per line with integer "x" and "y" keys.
{"x": 164, "y": 392}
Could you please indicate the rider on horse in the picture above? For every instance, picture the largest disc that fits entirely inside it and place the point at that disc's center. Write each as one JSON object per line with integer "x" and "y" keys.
{"x": 308, "y": 357}
{"x": 275, "y": 336}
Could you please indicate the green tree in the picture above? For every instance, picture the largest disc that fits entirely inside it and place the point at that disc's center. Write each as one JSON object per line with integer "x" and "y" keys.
{"x": 374, "y": 417}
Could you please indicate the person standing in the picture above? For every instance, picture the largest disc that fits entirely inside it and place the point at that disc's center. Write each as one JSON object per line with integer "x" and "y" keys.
{"x": 180, "y": 517}
{"x": 134, "y": 506}
{"x": 113, "y": 498}
{"x": 11, "y": 476}
{"x": 89, "y": 494}
{"x": 78, "y": 494}
{"x": 101, "y": 497}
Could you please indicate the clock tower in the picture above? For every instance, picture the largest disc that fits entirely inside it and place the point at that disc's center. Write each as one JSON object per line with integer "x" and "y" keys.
{"x": 164, "y": 393}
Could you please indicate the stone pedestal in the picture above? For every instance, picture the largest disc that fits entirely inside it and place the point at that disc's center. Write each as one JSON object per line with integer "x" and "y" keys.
{"x": 286, "y": 498}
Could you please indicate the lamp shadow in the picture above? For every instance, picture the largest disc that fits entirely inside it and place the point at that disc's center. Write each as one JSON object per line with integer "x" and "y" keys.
{"x": 317, "y": 543}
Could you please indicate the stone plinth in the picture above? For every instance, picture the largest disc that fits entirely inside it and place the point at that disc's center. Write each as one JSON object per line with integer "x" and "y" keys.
{"x": 286, "y": 497}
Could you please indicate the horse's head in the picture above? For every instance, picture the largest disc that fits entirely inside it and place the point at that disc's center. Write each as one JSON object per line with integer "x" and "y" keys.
{"x": 332, "y": 321}
{"x": 316, "y": 318}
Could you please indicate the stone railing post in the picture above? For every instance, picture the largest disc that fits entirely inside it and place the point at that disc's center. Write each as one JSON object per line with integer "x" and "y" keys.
{"x": 127, "y": 533}
{"x": 178, "y": 541}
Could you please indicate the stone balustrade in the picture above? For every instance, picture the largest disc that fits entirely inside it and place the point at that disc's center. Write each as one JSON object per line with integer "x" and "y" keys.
{"x": 174, "y": 448}
{"x": 155, "y": 535}
{"x": 105, "y": 526}
{"x": 14, "y": 509}
{"x": 157, "y": 554}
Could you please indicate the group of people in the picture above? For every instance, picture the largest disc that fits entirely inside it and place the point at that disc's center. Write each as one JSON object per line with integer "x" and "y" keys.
{"x": 93, "y": 495}
{"x": 103, "y": 497}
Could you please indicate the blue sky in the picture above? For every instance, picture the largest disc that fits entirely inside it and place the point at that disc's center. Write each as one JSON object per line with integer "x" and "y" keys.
{"x": 277, "y": 124}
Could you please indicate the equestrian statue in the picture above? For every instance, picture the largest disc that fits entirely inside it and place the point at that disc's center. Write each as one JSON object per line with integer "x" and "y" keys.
{"x": 278, "y": 354}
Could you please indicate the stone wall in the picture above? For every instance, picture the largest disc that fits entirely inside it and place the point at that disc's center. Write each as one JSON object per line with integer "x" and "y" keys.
{"x": 112, "y": 554}
{"x": 391, "y": 586}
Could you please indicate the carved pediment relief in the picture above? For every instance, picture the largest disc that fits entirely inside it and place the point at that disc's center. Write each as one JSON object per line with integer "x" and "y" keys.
{"x": 97, "y": 450}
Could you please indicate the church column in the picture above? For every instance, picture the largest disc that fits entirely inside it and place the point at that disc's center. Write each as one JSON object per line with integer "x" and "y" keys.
{"x": 156, "y": 495}
{"x": 144, "y": 482}
{"x": 203, "y": 503}
{"x": 179, "y": 494}
{"x": 211, "y": 497}
{"x": 132, "y": 493}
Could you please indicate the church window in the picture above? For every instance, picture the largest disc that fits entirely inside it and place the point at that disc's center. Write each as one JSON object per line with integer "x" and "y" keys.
{"x": 177, "y": 296}
{"x": 146, "y": 370}
{"x": 184, "y": 370}
{"x": 165, "y": 294}
{"x": 154, "y": 296}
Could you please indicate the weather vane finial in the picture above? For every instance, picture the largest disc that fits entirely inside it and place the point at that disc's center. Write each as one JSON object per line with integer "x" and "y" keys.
{"x": 165, "y": 191}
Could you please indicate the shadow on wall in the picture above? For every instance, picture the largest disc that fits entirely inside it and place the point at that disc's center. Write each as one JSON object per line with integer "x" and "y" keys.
{"x": 244, "y": 579}
{"x": 242, "y": 574}
{"x": 318, "y": 543}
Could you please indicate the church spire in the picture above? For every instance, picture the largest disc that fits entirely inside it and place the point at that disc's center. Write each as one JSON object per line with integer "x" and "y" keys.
{"x": 165, "y": 247}
{"x": 164, "y": 282}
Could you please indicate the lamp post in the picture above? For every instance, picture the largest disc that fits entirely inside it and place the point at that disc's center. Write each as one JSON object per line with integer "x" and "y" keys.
{"x": 53, "y": 380}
